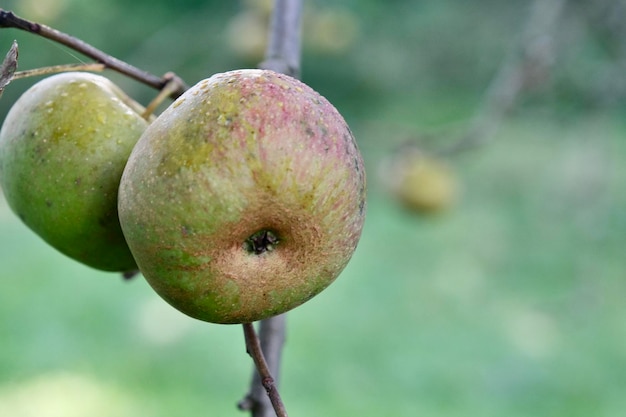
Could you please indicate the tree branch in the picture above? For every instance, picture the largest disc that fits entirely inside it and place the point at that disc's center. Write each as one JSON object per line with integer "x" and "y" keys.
{"x": 283, "y": 49}
{"x": 9, "y": 20}
{"x": 272, "y": 333}
{"x": 282, "y": 55}
{"x": 253, "y": 347}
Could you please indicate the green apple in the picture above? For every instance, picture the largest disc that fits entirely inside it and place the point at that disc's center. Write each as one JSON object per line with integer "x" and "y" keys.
{"x": 244, "y": 198}
{"x": 63, "y": 147}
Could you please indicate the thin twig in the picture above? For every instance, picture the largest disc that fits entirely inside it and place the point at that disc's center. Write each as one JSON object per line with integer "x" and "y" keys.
{"x": 58, "y": 68}
{"x": 9, "y": 20}
{"x": 253, "y": 347}
{"x": 272, "y": 339}
{"x": 170, "y": 88}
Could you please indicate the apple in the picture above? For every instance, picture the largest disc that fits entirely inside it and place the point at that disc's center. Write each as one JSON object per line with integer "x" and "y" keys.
{"x": 244, "y": 198}
{"x": 63, "y": 146}
{"x": 421, "y": 182}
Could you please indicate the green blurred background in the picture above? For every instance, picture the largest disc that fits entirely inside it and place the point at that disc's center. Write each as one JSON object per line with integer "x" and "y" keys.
{"x": 511, "y": 302}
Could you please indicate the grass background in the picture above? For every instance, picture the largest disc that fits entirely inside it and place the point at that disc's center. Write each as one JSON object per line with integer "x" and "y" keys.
{"x": 511, "y": 303}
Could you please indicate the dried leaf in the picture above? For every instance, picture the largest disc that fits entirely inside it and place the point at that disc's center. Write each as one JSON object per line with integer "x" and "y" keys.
{"x": 8, "y": 67}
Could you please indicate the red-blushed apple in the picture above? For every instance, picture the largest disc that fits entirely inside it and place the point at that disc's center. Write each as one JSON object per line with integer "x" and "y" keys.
{"x": 244, "y": 198}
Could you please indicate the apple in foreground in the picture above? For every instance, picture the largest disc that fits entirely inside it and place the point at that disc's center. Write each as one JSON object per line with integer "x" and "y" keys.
{"x": 63, "y": 147}
{"x": 244, "y": 198}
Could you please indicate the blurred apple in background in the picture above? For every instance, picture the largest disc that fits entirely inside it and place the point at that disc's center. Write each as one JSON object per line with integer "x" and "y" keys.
{"x": 421, "y": 182}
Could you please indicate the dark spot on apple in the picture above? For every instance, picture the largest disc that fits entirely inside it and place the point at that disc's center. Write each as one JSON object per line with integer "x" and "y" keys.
{"x": 262, "y": 241}
{"x": 48, "y": 203}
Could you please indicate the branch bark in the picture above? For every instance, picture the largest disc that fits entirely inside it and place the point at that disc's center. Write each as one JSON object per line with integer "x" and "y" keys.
{"x": 282, "y": 55}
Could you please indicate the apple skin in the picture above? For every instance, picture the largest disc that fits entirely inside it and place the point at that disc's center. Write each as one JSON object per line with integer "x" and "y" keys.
{"x": 244, "y": 198}
{"x": 63, "y": 147}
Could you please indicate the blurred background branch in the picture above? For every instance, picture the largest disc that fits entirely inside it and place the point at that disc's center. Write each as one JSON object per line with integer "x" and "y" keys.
{"x": 527, "y": 66}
